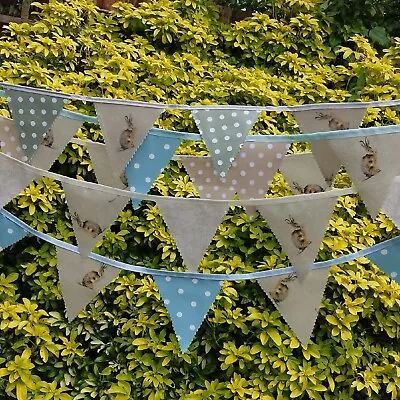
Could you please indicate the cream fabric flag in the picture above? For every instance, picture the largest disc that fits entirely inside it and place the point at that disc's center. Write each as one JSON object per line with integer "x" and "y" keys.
{"x": 192, "y": 224}
{"x": 300, "y": 226}
{"x": 297, "y": 301}
{"x": 15, "y": 177}
{"x": 9, "y": 139}
{"x": 124, "y": 129}
{"x": 102, "y": 167}
{"x": 249, "y": 176}
{"x": 391, "y": 205}
{"x": 302, "y": 173}
{"x": 328, "y": 120}
{"x": 372, "y": 163}
{"x": 323, "y": 120}
{"x": 81, "y": 279}
{"x": 54, "y": 142}
{"x": 92, "y": 213}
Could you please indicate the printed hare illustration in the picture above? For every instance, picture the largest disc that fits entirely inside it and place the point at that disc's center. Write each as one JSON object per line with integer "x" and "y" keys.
{"x": 281, "y": 289}
{"x": 48, "y": 139}
{"x": 299, "y": 237}
{"x": 89, "y": 226}
{"x": 127, "y": 136}
{"x": 92, "y": 277}
{"x": 369, "y": 162}
{"x": 334, "y": 123}
{"x": 312, "y": 187}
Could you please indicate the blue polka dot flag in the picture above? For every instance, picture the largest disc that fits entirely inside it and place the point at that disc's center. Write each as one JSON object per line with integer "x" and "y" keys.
{"x": 148, "y": 162}
{"x": 10, "y": 232}
{"x": 188, "y": 301}
{"x": 224, "y": 132}
{"x": 388, "y": 258}
{"x": 33, "y": 115}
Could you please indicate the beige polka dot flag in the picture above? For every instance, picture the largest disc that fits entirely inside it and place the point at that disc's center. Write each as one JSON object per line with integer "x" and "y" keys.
{"x": 250, "y": 175}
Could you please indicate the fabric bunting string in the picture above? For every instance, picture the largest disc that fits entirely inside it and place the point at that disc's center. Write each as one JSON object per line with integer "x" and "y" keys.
{"x": 132, "y": 158}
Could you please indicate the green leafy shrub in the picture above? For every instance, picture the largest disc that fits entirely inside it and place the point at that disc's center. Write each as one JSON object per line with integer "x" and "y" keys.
{"x": 122, "y": 345}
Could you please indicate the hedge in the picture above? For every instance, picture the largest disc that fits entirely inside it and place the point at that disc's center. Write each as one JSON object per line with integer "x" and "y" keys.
{"x": 122, "y": 346}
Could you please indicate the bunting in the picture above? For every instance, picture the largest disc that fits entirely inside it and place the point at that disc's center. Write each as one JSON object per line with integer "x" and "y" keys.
{"x": 187, "y": 301}
{"x": 92, "y": 213}
{"x": 192, "y": 224}
{"x": 148, "y": 162}
{"x": 10, "y": 232}
{"x": 300, "y": 225}
{"x": 372, "y": 164}
{"x": 9, "y": 139}
{"x": 224, "y": 132}
{"x": 14, "y": 178}
{"x": 81, "y": 280}
{"x": 302, "y": 173}
{"x": 124, "y": 129}
{"x": 387, "y": 258}
{"x": 54, "y": 142}
{"x": 323, "y": 120}
{"x": 297, "y": 301}
{"x": 250, "y": 175}
{"x": 34, "y": 115}
{"x": 105, "y": 175}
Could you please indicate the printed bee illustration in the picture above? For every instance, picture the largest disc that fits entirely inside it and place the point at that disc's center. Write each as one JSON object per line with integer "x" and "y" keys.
{"x": 48, "y": 139}
{"x": 334, "y": 123}
{"x": 124, "y": 179}
{"x": 369, "y": 162}
{"x": 299, "y": 237}
{"x": 92, "y": 277}
{"x": 127, "y": 136}
{"x": 281, "y": 289}
{"x": 89, "y": 226}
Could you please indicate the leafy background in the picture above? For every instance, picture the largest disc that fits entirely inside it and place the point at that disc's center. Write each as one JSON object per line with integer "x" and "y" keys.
{"x": 122, "y": 345}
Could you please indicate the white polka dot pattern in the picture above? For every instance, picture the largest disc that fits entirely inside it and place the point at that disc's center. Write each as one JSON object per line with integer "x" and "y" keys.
{"x": 250, "y": 175}
{"x": 387, "y": 259}
{"x": 9, "y": 140}
{"x": 188, "y": 301}
{"x": 9, "y": 232}
{"x": 33, "y": 115}
{"x": 224, "y": 132}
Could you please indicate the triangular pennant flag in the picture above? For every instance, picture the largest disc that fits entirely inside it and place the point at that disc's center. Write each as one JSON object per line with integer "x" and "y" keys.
{"x": 297, "y": 301}
{"x": 92, "y": 212}
{"x": 148, "y": 162}
{"x": 54, "y": 142}
{"x": 10, "y": 232}
{"x": 124, "y": 129}
{"x": 300, "y": 226}
{"x": 15, "y": 177}
{"x": 387, "y": 259}
{"x": 323, "y": 120}
{"x": 192, "y": 224}
{"x": 9, "y": 139}
{"x": 102, "y": 167}
{"x": 224, "y": 132}
{"x": 187, "y": 301}
{"x": 81, "y": 279}
{"x": 372, "y": 163}
{"x": 302, "y": 173}
{"x": 326, "y": 159}
{"x": 391, "y": 205}
{"x": 34, "y": 115}
{"x": 250, "y": 175}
